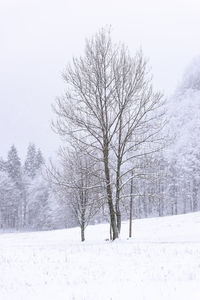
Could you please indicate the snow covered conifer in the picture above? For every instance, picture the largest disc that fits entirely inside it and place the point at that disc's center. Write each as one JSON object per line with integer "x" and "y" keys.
{"x": 13, "y": 166}
{"x": 39, "y": 159}
{"x": 13, "y": 169}
{"x": 29, "y": 165}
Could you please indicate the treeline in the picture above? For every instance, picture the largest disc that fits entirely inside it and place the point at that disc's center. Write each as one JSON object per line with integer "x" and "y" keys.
{"x": 23, "y": 192}
{"x": 29, "y": 200}
{"x": 172, "y": 188}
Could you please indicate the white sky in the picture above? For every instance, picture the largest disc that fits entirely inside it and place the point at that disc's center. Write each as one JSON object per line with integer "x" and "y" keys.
{"x": 38, "y": 38}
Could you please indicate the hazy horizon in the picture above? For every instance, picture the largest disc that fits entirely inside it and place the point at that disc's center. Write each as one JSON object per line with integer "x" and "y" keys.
{"x": 39, "y": 38}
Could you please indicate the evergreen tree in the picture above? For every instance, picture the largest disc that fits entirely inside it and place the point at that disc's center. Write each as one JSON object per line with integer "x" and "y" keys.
{"x": 7, "y": 201}
{"x": 34, "y": 161}
{"x": 30, "y": 162}
{"x": 39, "y": 159}
{"x": 13, "y": 166}
{"x": 2, "y": 165}
{"x": 39, "y": 213}
{"x": 15, "y": 201}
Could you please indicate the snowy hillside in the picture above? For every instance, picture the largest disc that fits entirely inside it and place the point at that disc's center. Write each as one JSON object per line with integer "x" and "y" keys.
{"x": 162, "y": 261}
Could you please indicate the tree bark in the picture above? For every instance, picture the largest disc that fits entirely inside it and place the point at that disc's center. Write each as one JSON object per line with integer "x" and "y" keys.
{"x": 131, "y": 209}
{"x": 109, "y": 197}
{"x": 117, "y": 208}
{"x": 111, "y": 235}
{"x": 82, "y": 233}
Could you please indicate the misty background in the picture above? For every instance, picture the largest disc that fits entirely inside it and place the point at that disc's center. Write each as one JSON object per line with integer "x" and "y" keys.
{"x": 38, "y": 38}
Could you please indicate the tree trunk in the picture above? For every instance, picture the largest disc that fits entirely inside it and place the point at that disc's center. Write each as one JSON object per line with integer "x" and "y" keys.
{"x": 82, "y": 233}
{"x": 131, "y": 209}
{"x": 24, "y": 211}
{"x": 111, "y": 235}
{"x": 82, "y": 212}
{"x": 119, "y": 220}
{"x": 117, "y": 208}
{"x": 194, "y": 196}
{"x": 109, "y": 197}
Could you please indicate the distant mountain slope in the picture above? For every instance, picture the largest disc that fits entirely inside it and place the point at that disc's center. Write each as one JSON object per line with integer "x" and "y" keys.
{"x": 184, "y": 112}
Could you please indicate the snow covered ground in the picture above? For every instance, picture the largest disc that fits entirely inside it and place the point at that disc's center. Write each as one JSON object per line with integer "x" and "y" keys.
{"x": 161, "y": 262}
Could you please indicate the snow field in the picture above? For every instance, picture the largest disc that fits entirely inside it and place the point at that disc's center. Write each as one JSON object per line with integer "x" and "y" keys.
{"x": 162, "y": 261}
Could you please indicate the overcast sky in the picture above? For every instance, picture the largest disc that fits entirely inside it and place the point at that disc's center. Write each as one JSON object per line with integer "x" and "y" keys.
{"x": 39, "y": 37}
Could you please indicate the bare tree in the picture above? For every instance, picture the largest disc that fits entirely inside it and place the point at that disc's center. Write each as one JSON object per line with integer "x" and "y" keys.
{"x": 110, "y": 108}
{"x": 77, "y": 183}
